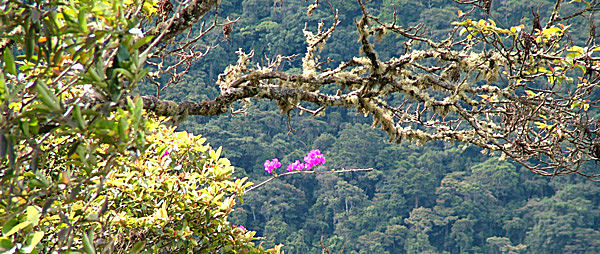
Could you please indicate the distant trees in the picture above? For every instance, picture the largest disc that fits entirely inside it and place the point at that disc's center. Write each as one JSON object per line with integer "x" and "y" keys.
{"x": 79, "y": 153}
{"x": 527, "y": 90}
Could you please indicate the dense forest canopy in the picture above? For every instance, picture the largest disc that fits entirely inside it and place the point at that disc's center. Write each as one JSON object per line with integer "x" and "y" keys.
{"x": 91, "y": 92}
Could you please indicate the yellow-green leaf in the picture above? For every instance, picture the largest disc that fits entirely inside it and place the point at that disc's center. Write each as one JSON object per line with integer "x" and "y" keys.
{"x": 16, "y": 228}
{"x": 33, "y": 214}
{"x": 137, "y": 247}
{"x": 541, "y": 125}
{"x": 576, "y": 49}
{"x": 33, "y": 241}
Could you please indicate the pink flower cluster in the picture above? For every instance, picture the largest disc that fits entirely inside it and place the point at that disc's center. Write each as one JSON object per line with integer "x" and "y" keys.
{"x": 313, "y": 158}
{"x": 270, "y": 165}
{"x": 295, "y": 166}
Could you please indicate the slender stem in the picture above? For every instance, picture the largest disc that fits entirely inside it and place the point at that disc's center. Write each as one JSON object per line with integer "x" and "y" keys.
{"x": 305, "y": 172}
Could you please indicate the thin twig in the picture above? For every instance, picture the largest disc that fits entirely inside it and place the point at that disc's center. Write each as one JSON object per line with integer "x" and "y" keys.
{"x": 305, "y": 172}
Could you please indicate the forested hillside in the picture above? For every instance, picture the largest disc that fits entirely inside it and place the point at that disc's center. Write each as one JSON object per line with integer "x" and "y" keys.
{"x": 434, "y": 198}
{"x": 282, "y": 126}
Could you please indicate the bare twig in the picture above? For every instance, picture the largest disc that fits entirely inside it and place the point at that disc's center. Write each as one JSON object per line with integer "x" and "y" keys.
{"x": 305, "y": 172}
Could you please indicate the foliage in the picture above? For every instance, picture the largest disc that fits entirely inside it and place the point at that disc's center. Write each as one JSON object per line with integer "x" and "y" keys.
{"x": 83, "y": 168}
{"x": 176, "y": 197}
{"x": 485, "y": 197}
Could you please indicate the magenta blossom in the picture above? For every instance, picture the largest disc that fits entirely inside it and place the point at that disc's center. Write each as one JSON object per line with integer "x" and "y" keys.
{"x": 270, "y": 165}
{"x": 295, "y": 166}
{"x": 313, "y": 158}
{"x": 165, "y": 154}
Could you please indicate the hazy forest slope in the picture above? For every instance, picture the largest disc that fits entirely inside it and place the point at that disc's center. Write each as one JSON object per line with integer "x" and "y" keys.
{"x": 435, "y": 198}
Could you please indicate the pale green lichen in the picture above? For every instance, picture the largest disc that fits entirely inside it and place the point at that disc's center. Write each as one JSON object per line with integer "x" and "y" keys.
{"x": 234, "y": 72}
{"x": 345, "y": 75}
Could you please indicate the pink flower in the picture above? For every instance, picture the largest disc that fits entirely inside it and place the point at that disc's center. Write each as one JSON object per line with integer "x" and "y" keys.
{"x": 314, "y": 158}
{"x": 295, "y": 166}
{"x": 270, "y": 165}
{"x": 165, "y": 154}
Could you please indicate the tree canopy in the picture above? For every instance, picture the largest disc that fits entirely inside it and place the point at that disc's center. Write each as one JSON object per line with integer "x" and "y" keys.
{"x": 75, "y": 139}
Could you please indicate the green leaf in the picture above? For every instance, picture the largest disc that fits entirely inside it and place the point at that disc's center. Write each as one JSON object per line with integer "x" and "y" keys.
{"x": 82, "y": 18}
{"x": 569, "y": 58}
{"x": 142, "y": 42}
{"x": 9, "y": 62}
{"x": 123, "y": 126}
{"x": 79, "y": 118}
{"x": 137, "y": 111}
{"x": 3, "y": 146}
{"x": 34, "y": 239}
{"x": 5, "y": 244}
{"x": 530, "y": 93}
{"x": 3, "y": 89}
{"x": 122, "y": 54}
{"x": 24, "y": 125}
{"x": 125, "y": 72}
{"x": 218, "y": 153}
{"x": 9, "y": 229}
{"x": 541, "y": 125}
{"x": 552, "y": 31}
{"x": 581, "y": 1}
{"x": 29, "y": 42}
{"x": 137, "y": 247}
{"x": 576, "y": 49}
{"x": 130, "y": 104}
{"x": 95, "y": 76}
{"x": 34, "y": 125}
{"x": 33, "y": 214}
{"x": 88, "y": 246}
{"x": 10, "y": 151}
{"x": 47, "y": 97}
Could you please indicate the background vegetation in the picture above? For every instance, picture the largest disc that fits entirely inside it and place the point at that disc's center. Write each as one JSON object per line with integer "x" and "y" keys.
{"x": 85, "y": 169}
{"x": 436, "y": 198}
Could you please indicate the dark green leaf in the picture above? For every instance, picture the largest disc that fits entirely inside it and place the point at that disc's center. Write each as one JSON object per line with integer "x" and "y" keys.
{"x": 5, "y": 244}
{"x": 29, "y": 42}
{"x": 122, "y": 54}
{"x": 9, "y": 62}
{"x": 3, "y": 146}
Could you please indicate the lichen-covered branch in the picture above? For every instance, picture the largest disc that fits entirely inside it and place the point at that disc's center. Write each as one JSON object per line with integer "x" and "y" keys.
{"x": 503, "y": 89}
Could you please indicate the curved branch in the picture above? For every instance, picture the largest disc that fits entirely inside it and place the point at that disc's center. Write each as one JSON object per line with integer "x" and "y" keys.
{"x": 222, "y": 103}
{"x": 506, "y": 97}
